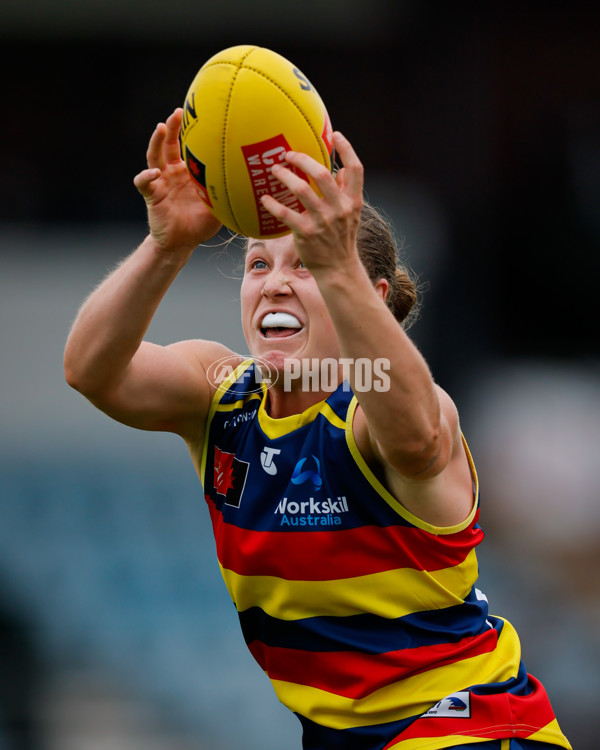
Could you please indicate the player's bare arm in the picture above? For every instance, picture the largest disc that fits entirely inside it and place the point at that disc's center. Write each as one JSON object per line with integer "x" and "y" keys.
{"x": 106, "y": 357}
{"x": 411, "y": 430}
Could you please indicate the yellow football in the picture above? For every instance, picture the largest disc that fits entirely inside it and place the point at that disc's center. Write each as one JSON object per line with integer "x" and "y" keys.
{"x": 245, "y": 108}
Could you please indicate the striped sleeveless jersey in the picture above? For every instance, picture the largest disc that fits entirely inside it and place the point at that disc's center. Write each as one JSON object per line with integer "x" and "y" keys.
{"x": 366, "y": 619}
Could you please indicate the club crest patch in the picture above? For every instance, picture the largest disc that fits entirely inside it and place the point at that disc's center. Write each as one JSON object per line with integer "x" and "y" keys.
{"x": 456, "y": 705}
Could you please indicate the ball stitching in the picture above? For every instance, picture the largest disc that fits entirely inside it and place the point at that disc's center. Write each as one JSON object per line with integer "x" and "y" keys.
{"x": 273, "y": 82}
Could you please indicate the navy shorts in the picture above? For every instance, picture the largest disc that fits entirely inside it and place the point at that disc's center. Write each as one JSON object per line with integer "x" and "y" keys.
{"x": 514, "y": 744}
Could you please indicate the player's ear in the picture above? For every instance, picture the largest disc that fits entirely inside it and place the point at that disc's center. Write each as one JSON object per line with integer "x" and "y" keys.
{"x": 382, "y": 288}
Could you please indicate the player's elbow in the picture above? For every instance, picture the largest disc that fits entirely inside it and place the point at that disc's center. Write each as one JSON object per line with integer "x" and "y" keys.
{"x": 78, "y": 377}
{"x": 420, "y": 457}
{"x": 71, "y": 371}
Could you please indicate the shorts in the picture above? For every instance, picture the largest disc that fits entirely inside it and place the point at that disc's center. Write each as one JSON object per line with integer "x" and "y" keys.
{"x": 514, "y": 744}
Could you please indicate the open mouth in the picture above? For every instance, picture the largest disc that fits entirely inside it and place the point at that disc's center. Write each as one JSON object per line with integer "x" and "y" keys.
{"x": 279, "y": 325}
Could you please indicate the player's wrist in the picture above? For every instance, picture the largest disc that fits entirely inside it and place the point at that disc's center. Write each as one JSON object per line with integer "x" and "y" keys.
{"x": 341, "y": 276}
{"x": 168, "y": 252}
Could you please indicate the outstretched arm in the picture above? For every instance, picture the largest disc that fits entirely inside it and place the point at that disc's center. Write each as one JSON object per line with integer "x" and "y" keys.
{"x": 106, "y": 359}
{"x": 410, "y": 430}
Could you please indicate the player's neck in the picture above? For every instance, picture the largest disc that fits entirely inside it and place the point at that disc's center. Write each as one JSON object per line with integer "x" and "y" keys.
{"x": 283, "y": 403}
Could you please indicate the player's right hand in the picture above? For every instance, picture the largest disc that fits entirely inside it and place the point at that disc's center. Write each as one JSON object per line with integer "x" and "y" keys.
{"x": 177, "y": 215}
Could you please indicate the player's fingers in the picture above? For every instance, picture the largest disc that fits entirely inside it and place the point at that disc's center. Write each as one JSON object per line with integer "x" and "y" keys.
{"x": 351, "y": 177}
{"x": 320, "y": 175}
{"x": 348, "y": 182}
{"x": 154, "y": 154}
{"x": 144, "y": 181}
{"x": 297, "y": 185}
{"x": 288, "y": 216}
{"x": 171, "y": 149}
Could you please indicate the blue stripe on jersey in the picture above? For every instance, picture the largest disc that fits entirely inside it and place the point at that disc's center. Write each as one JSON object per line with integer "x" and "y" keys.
{"x": 367, "y": 633}
{"x": 519, "y": 685}
{"x": 318, "y": 737}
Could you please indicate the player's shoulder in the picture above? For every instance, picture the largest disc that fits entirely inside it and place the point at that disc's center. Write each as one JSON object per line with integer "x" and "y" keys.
{"x": 207, "y": 356}
{"x": 203, "y": 351}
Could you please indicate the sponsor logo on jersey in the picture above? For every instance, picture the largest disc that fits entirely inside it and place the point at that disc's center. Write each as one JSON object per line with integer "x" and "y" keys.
{"x": 457, "y": 705}
{"x": 229, "y": 477}
{"x": 312, "y": 512}
{"x": 266, "y": 459}
{"x": 308, "y": 471}
{"x": 238, "y": 419}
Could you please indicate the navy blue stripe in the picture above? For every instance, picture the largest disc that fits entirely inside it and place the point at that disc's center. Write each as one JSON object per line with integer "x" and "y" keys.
{"x": 518, "y": 685}
{"x": 367, "y": 633}
{"x": 340, "y": 400}
{"x": 317, "y": 737}
{"x": 520, "y": 744}
{"x": 516, "y": 743}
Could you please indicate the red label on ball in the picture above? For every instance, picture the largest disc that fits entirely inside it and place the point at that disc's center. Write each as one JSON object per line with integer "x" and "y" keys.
{"x": 260, "y": 157}
{"x": 327, "y": 134}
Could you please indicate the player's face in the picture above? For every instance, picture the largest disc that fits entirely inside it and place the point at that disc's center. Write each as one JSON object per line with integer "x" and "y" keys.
{"x": 283, "y": 312}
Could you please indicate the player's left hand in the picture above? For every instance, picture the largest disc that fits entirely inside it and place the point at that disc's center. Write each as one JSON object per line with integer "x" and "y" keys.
{"x": 325, "y": 232}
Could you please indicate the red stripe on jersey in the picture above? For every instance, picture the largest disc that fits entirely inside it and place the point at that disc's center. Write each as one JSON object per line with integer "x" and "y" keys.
{"x": 355, "y": 675}
{"x": 488, "y": 717}
{"x": 333, "y": 555}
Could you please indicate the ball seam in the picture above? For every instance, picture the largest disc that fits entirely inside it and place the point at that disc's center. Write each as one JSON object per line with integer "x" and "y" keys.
{"x": 223, "y": 139}
{"x": 273, "y": 82}
{"x": 292, "y": 100}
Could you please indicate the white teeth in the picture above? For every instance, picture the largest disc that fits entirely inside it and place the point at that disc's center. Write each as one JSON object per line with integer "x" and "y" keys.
{"x": 280, "y": 320}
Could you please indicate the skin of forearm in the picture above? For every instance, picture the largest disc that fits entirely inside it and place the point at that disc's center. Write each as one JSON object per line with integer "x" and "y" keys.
{"x": 406, "y": 418}
{"x": 112, "y": 322}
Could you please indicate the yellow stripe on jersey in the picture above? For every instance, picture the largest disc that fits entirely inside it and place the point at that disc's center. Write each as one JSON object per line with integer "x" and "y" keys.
{"x": 275, "y": 428}
{"x": 239, "y": 404}
{"x": 389, "y": 594}
{"x": 447, "y": 741}
{"x": 552, "y": 734}
{"x": 332, "y": 417}
{"x": 411, "y": 696}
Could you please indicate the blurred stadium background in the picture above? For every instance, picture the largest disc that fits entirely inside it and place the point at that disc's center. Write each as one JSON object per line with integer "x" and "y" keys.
{"x": 479, "y": 126}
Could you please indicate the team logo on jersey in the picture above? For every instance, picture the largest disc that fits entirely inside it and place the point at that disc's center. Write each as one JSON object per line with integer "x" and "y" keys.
{"x": 457, "y": 705}
{"x": 266, "y": 459}
{"x": 229, "y": 477}
{"x": 303, "y": 473}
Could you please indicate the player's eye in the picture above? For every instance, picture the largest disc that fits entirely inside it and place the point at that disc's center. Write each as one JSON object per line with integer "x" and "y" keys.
{"x": 258, "y": 265}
